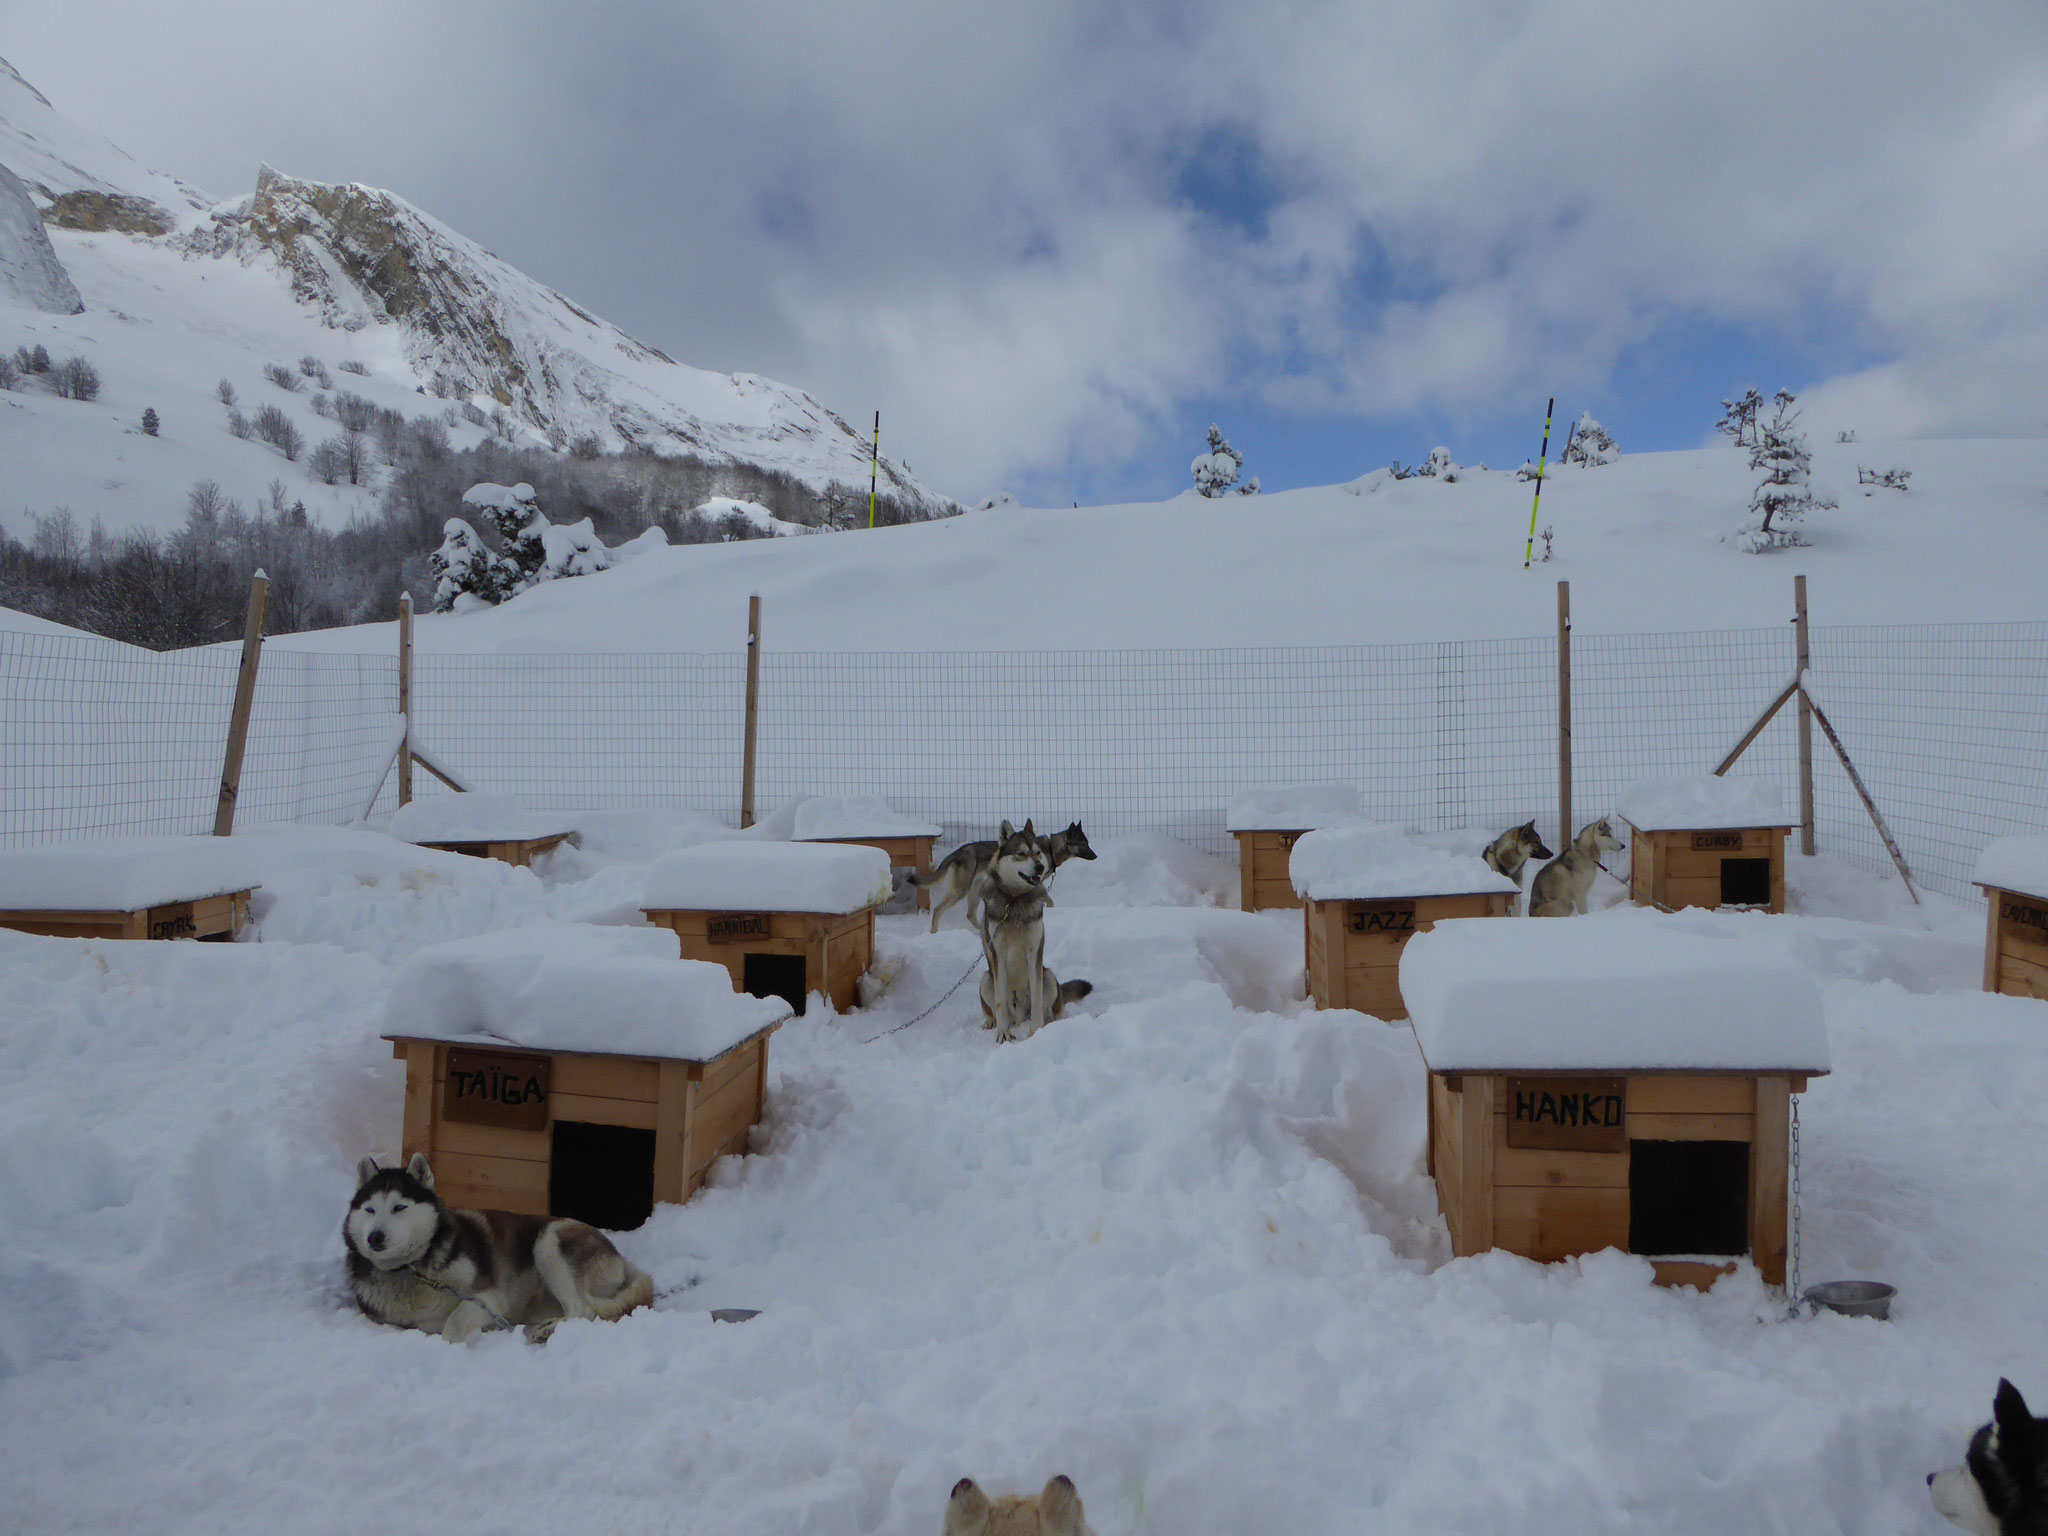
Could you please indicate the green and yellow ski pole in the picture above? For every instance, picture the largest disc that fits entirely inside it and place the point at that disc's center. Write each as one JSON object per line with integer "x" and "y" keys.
{"x": 874, "y": 468}
{"x": 1529, "y": 549}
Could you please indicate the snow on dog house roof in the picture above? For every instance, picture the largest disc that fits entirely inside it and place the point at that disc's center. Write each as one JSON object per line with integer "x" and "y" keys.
{"x": 2017, "y": 864}
{"x": 1369, "y": 861}
{"x": 1701, "y": 804}
{"x": 122, "y": 874}
{"x": 826, "y": 816}
{"x": 474, "y": 818}
{"x": 1298, "y": 809}
{"x": 749, "y": 876}
{"x": 1623, "y": 991}
{"x": 575, "y": 987}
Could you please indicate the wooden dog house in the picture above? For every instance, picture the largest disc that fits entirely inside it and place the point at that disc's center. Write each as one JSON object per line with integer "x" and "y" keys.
{"x": 871, "y": 823}
{"x": 1705, "y": 842}
{"x": 1621, "y": 1082}
{"x": 2013, "y": 873}
{"x": 1266, "y": 824}
{"x": 128, "y": 888}
{"x": 1365, "y": 891}
{"x": 480, "y": 826}
{"x": 590, "y": 1075}
{"x": 785, "y": 919}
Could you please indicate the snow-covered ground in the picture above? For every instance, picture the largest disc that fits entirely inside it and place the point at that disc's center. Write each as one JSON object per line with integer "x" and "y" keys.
{"x": 1179, "y": 1246}
{"x": 1647, "y": 544}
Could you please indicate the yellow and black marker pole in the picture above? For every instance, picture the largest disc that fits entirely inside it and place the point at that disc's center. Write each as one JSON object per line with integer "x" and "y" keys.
{"x": 1529, "y": 549}
{"x": 874, "y": 468}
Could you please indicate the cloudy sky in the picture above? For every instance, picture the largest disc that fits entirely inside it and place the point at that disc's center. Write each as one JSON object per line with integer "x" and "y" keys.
{"x": 1052, "y": 241}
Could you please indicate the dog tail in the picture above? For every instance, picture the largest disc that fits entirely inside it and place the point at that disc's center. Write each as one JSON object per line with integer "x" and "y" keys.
{"x": 1073, "y": 992}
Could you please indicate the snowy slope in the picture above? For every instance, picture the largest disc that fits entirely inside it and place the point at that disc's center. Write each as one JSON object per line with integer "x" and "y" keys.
{"x": 1642, "y": 542}
{"x": 181, "y": 291}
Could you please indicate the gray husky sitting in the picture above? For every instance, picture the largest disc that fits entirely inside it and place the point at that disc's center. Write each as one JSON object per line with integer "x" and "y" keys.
{"x": 1506, "y": 855}
{"x": 1017, "y": 992}
{"x": 1563, "y": 886}
{"x": 415, "y": 1263}
{"x": 961, "y": 872}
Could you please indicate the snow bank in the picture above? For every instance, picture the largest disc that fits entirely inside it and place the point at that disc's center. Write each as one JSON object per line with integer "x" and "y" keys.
{"x": 121, "y": 874}
{"x": 769, "y": 877}
{"x": 1296, "y": 809}
{"x": 576, "y": 987}
{"x": 1627, "y": 990}
{"x": 1368, "y": 861}
{"x": 2015, "y": 864}
{"x": 826, "y": 816}
{"x": 473, "y": 818}
{"x": 1663, "y": 805}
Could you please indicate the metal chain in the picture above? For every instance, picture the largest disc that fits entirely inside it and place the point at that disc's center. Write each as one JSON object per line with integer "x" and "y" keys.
{"x": 1792, "y": 1296}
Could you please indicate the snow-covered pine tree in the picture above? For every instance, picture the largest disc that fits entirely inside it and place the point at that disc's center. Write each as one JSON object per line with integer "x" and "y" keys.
{"x": 1590, "y": 443}
{"x": 149, "y": 420}
{"x": 1785, "y": 494}
{"x": 1739, "y": 418}
{"x": 464, "y": 567}
{"x": 513, "y": 514}
{"x": 1216, "y": 471}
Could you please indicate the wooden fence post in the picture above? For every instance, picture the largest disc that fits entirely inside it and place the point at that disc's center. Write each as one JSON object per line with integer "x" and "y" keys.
{"x": 245, "y": 697}
{"x": 1805, "y": 720}
{"x": 405, "y": 696}
{"x": 753, "y": 708}
{"x": 1564, "y": 715}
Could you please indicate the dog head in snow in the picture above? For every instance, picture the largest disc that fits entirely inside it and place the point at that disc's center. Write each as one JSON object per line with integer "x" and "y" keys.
{"x": 395, "y": 1213}
{"x": 1054, "y": 1510}
{"x": 1020, "y": 863}
{"x": 2001, "y": 1487}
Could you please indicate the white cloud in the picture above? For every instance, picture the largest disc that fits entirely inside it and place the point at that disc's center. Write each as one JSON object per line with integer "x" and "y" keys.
{"x": 969, "y": 215}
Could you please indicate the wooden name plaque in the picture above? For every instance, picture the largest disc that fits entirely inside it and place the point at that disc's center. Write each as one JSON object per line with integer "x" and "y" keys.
{"x": 732, "y": 927}
{"x": 172, "y": 922}
{"x": 1568, "y": 1114}
{"x": 490, "y": 1088}
{"x": 1718, "y": 842}
{"x": 1378, "y": 919}
{"x": 2025, "y": 914}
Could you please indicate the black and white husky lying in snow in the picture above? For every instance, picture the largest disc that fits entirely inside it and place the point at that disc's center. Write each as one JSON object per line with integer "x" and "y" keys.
{"x": 416, "y": 1263}
{"x": 2001, "y": 1487}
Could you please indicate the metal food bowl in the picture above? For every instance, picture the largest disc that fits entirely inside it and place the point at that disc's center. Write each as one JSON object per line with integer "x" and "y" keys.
{"x": 733, "y": 1314}
{"x": 1854, "y": 1298}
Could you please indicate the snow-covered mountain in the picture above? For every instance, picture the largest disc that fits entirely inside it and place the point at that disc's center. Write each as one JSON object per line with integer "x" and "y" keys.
{"x": 180, "y": 291}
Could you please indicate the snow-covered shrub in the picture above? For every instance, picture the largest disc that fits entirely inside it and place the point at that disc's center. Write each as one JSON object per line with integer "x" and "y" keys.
{"x": 1739, "y": 418}
{"x": 10, "y": 375}
{"x": 350, "y": 365}
{"x": 311, "y": 366}
{"x": 149, "y": 420}
{"x": 1893, "y": 479}
{"x": 278, "y": 430}
{"x": 464, "y": 567}
{"x": 238, "y": 423}
{"x": 282, "y": 377}
{"x": 1437, "y": 466}
{"x": 474, "y": 415}
{"x": 587, "y": 445}
{"x": 224, "y": 392}
{"x": 1590, "y": 444}
{"x": 75, "y": 379}
{"x": 1250, "y": 487}
{"x": 328, "y": 462}
{"x": 573, "y": 549}
{"x": 1847, "y": 436}
{"x": 513, "y": 513}
{"x": 1216, "y": 471}
{"x": 1785, "y": 494}
{"x": 34, "y": 359}
{"x": 321, "y": 405}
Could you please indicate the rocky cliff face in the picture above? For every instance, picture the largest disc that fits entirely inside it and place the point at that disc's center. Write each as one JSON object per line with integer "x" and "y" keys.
{"x": 30, "y": 273}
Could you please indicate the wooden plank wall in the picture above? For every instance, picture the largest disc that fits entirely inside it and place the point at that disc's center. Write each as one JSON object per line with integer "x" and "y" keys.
{"x": 837, "y": 948}
{"x": 1263, "y": 881}
{"x": 1666, "y": 870}
{"x": 1362, "y": 970}
{"x": 2016, "y": 951}
{"x": 211, "y": 917}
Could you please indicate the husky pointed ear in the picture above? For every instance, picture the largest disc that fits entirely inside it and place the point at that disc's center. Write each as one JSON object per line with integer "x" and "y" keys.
{"x": 1027, "y": 827}
{"x": 2016, "y": 1427}
{"x": 967, "y": 1510}
{"x": 418, "y": 1169}
{"x": 1059, "y": 1508}
{"x": 1006, "y": 834}
{"x": 366, "y": 1170}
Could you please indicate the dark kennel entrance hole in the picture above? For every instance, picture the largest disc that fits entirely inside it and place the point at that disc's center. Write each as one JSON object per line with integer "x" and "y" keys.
{"x": 775, "y": 976}
{"x": 1688, "y": 1197}
{"x": 1745, "y": 882}
{"x": 602, "y": 1174}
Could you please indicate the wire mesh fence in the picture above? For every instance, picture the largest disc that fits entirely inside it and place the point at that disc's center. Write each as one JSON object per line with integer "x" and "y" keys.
{"x": 1948, "y": 724}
